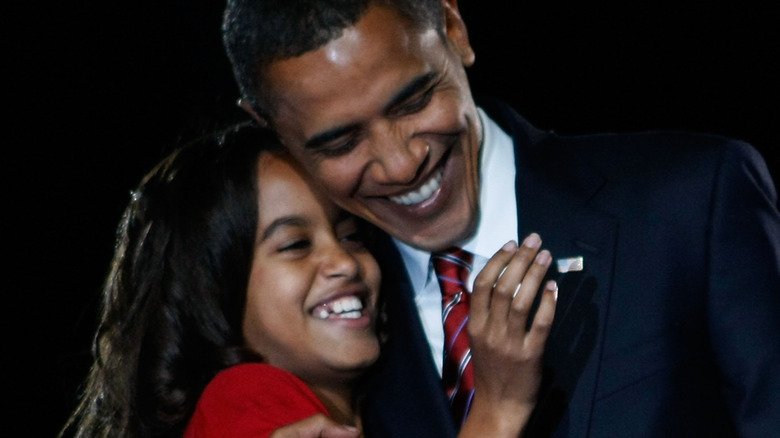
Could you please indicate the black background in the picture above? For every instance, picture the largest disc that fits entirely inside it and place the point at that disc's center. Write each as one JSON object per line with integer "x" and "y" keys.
{"x": 99, "y": 92}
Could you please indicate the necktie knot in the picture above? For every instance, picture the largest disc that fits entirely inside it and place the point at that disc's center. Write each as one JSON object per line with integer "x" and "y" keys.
{"x": 452, "y": 270}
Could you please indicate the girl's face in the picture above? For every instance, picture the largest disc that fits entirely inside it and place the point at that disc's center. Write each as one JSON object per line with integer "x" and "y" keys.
{"x": 311, "y": 304}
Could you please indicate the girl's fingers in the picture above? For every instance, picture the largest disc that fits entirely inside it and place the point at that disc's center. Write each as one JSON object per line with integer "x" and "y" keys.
{"x": 509, "y": 281}
{"x": 524, "y": 298}
{"x": 540, "y": 328}
{"x": 483, "y": 285}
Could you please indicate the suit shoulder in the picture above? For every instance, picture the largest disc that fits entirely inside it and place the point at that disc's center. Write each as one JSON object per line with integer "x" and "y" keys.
{"x": 635, "y": 153}
{"x": 675, "y": 143}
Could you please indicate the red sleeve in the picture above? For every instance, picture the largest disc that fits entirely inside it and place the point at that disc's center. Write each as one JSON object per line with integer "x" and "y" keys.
{"x": 249, "y": 401}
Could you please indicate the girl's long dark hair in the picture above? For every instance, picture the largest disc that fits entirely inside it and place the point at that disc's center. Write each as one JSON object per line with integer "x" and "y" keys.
{"x": 173, "y": 301}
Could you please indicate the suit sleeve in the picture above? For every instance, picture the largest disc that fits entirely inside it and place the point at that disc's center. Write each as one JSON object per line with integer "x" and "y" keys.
{"x": 744, "y": 301}
{"x": 251, "y": 401}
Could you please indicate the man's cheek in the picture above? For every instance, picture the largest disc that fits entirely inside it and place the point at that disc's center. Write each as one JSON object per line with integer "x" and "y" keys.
{"x": 446, "y": 115}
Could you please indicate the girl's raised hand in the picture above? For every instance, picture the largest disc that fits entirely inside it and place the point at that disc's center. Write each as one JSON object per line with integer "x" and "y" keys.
{"x": 507, "y": 358}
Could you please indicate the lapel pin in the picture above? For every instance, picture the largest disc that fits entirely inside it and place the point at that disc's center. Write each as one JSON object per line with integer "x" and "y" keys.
{"x": 570, "y": 264}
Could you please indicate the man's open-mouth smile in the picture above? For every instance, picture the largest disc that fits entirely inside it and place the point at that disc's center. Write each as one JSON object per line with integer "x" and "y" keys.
{"x": 423, "y": 193}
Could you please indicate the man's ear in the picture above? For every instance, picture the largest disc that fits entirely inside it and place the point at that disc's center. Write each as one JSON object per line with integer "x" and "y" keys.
{"x": 456, "y": 32}
{"x": 244, "y": 104}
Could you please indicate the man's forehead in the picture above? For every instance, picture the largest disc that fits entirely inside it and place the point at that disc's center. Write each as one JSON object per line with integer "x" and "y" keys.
{"x": 320, "y": 89}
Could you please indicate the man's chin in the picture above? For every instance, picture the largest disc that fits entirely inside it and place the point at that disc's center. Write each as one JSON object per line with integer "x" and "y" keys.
{"x": 433, "y": 238}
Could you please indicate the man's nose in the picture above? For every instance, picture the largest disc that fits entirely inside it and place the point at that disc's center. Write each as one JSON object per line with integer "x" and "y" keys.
{"x": 398, "y": 160}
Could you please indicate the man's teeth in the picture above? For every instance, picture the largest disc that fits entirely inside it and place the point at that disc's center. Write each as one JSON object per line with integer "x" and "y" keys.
{"x": 420, "y": 194}
{"x": 344, "y": 308}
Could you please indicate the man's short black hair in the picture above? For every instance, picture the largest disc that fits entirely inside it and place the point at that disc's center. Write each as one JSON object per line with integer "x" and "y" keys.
{"x": 258, "y": 32}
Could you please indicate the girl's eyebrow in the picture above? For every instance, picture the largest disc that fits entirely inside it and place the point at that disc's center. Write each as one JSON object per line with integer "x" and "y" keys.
{"x": 284, "y": 221}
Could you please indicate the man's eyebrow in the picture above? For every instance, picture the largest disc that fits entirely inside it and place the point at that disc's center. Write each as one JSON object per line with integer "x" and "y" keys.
{"x": 412, "y": 88}
{"x": 291, "y": 221}
{"x": 415, "y": 86}
{"x": 320, "y": 139}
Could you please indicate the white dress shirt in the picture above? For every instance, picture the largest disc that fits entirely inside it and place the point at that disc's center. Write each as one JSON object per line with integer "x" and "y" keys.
{"x": 497, "y": 225}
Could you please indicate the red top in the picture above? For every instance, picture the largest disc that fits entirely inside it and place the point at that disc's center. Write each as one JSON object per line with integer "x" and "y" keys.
{"x": 251, "y": 400}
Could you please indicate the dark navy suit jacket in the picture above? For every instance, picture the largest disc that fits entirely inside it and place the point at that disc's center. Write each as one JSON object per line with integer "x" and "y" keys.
{"x": 673, "y": 326}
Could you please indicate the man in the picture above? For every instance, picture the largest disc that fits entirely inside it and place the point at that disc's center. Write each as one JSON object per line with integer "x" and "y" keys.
{"x": 666, "y": 321}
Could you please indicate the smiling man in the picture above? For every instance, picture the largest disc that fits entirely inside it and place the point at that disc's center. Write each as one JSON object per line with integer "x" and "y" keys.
{"x": 672, "y": 240}
{"x": 387, "y": 124}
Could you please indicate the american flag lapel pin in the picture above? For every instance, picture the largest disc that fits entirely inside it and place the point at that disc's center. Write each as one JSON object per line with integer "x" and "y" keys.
{"x": 570, "y": 264}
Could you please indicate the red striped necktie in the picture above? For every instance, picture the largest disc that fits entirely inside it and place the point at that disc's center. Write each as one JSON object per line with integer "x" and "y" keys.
{"x": 452, "y": 269}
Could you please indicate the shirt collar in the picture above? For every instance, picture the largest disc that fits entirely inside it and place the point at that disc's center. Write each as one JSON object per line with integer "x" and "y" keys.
{"x": 498, "y": 204}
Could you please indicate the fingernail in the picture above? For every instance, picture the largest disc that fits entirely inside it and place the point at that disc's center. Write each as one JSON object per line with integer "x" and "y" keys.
{"x": 532, "y": 241}
{"x": 544, "y": 258}
{"x": 552, "y": 285}
{"x": 509, "y": 246}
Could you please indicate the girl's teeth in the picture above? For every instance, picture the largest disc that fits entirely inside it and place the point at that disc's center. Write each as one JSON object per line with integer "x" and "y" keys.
{"x": 348, "y": 308}
{"x": 351, "y": 315}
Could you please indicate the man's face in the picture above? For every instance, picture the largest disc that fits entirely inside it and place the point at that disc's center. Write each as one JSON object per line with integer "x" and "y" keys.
{"x": 383, "y": 119}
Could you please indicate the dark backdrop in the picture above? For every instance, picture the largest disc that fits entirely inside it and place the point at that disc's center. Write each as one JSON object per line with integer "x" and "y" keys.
{"x": 101, "y": 91}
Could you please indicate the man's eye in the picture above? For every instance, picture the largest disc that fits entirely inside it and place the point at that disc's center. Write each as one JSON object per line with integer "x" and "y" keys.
{"x": 416, "y": 104}
{"x": 340, "y": 148}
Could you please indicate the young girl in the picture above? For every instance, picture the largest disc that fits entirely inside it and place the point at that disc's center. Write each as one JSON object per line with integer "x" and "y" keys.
{"x": 241, "y": 302}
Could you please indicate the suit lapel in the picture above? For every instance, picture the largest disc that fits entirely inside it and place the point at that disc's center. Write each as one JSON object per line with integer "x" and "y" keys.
{"x": 553, "y": 189}
{"x": 406, "y": 398}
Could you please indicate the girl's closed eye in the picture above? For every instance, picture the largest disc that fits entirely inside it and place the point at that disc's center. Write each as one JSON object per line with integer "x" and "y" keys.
{"x": 294, "y": 245}
{"x": 354, "y": 240}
